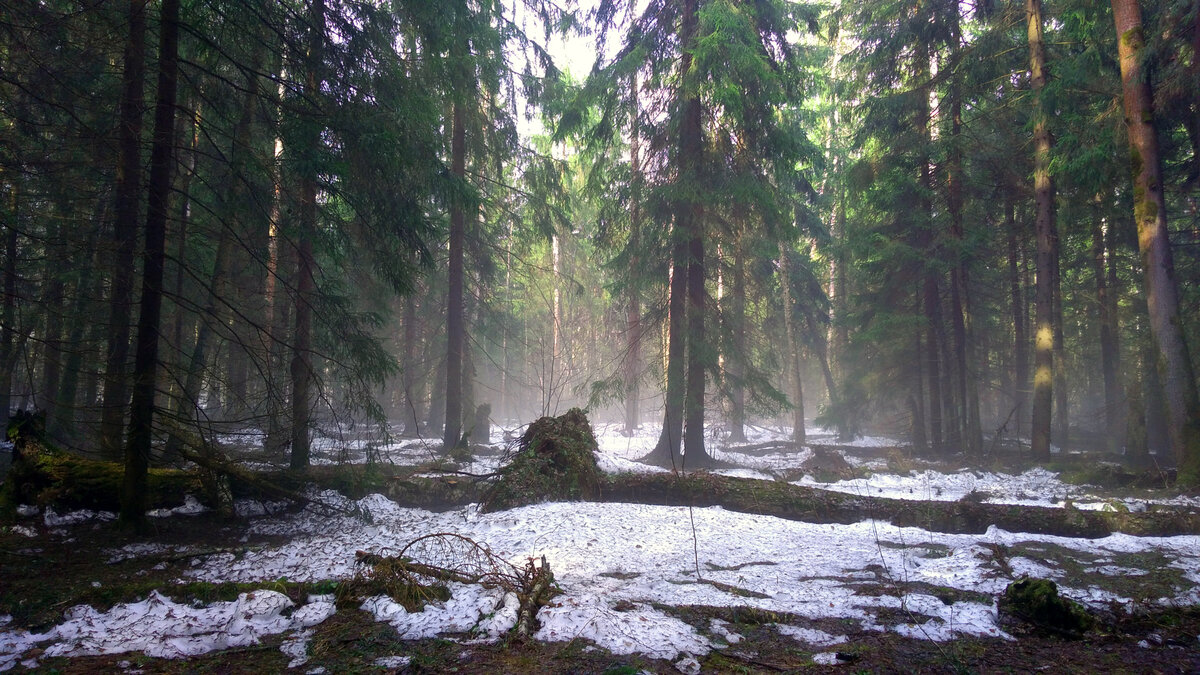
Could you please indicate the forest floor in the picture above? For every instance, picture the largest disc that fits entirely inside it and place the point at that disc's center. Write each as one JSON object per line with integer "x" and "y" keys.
{"x": 644, "y": 586}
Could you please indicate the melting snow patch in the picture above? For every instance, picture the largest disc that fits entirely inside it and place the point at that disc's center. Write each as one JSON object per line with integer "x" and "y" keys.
{"x": 721, "y": 629}
{"x": 810, "y": 636}
{"x": 471, "y": 608}
{"x": 688, "y": 666}
{"x": 825, "y": 659}
{"x": 163, "y": 628}
{"x": 393, "y": 661}
{"x": 52, "y": 519}
{"x": 191, "y": 506}
{"x": 642, "y": 630}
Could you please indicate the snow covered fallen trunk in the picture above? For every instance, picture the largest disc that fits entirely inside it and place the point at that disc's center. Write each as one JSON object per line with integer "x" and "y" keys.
{"x": 797, "y": 502}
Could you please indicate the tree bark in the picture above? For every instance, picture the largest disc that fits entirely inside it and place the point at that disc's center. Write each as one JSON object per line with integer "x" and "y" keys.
{"x": 128, "y": 188}
{"x": 688, "y": 217}
{"x": 1020, "y": 375}
{"x": 53, "y": 293}
{"x": 1173, "y": 363}
{"x": 1044, "y": 194}
{"x": 1108, "y": 340}
{"x": 737, "y": 397}
{"x": 455, "y": 330}
{"x": 666, "y": 451}
{"x": 633, "y": 315}
{"x": 697, "y": 356}
{"x": 8, "y": 341}
{"x": 302, "y": 363}
{"x": 688, "y": 256}
{"x": 141, "y": 412}
{"x": 408, "y": 373}
{"x": 792, "y": 349}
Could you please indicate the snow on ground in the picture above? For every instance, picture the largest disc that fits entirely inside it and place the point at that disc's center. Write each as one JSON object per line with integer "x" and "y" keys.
{"x": 163, "y": 628}
{"x": 614, "y": 562}
{"x": 617, "y": 563}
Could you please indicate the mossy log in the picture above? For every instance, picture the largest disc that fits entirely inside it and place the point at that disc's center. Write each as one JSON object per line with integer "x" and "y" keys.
{"x": 796, "y": 502}
{"x": 48, "y": 477}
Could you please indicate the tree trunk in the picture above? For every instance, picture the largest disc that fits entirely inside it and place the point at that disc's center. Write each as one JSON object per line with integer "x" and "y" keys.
{"x": 1172, "y": 362}
{"x": 666, "y": 451}
{"x": 190, "y": 123}
{"x": 302, "y": 365}
{"x": 930, "y": 293}
{"x": 966, "y": 380}
{"x": 737, "y": 360}
{"x": 1114, "y": 320}
{"x": 691, "y": 157}
{"x": 408, "y": 369}
{"x": 141, "y": 411}
{"x": 687, "y": 277}
{"x": 1043, "y": 378}
{"x": 128, "y": 188}
{"x": 52, "y": 307}
{"x": 1020, "y": 375}
{"x": 8, "y": 342}
{"x": 633, "y": 316}
{"x": 68, "y": 392}
{"x": 1062, "y": 407}
{"x": 792, "y": 349}
{"x": 698, "y": 357}
{"x": 455, "y": 330}
{"x": 1108, "y": 364}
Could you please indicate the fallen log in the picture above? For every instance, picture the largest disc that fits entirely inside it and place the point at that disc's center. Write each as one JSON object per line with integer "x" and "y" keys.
{"x": 796, "y": 502}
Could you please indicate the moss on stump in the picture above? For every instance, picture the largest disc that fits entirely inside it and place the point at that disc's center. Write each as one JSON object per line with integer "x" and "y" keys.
{"x": 1037, "y": 602}
{"x": 555, "y": 459}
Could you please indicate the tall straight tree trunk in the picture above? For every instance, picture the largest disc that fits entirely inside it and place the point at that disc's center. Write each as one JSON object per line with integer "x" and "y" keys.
{"x": 931, "y": 295}
{"x": 697, "y": 358}
{"x": 1114, "y": 321}
{"x": 1173, "y": 362}
{"x": 967, "y": 382}
{"x": 688, "y": 218}
{"x": 1047, "y": 236}
{"x": 52, "y": 304}
{"x": 633, "y": 316}
{"x": 737, "y": 360}
{"x": 189, "y": 125}
{"x": 1108, "y": 340}
{"x": 1020, "y": 376}
{"x": 688, "y": 257}
{"x": 88, "y": 285}
{"x": 125, "y": 229}
{"x": 916, "y": 398}
{"x": 455, "y": 330}
{"x": 666, "y": 451}
{"x": 302, "y": 362}
{"x": 792, "y": 349}
{"x": 408, "y": 368}
{"x": 1062, "y": 407}
{"x": 141, "y": 410}
{"x": 8, "y": 342}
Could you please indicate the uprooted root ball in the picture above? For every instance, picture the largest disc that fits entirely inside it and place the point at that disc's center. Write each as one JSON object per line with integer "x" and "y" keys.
{"x": 554, "y": 460}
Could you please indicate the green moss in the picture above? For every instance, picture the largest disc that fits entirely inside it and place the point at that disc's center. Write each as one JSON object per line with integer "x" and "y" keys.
{"x": 46, "y": 476}
{"x": 555, "y": 460}
{"x": 1133, "y": 38}
{"x": 1037, "y": 602}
